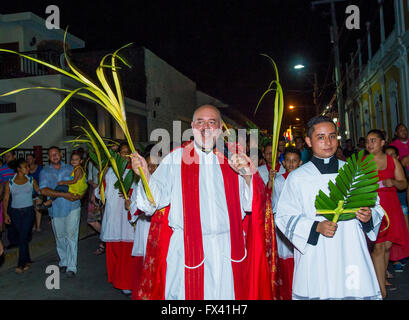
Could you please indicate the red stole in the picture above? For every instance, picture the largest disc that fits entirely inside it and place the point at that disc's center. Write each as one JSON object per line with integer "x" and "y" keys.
{"x": 251, "y": 276}
{"x": 194, "y": 257}
{"x": 285, "y": 175}
{"x": 153, "y": 278}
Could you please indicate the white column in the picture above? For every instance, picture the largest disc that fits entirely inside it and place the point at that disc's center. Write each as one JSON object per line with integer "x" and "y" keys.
{"x": 371, "y": 120}
{"x": 402, "y": 64}
{"x": 368, "y": 31}
{"x": 382, "y": 24}
{"x": 359, "y": 57}
{"x": 384, "y": 115}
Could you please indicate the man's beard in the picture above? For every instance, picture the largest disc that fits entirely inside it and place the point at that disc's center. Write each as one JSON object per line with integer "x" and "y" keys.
{"x": 206, "y": 141}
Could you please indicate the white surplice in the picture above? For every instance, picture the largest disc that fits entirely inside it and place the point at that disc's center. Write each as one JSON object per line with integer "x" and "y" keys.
{"x": 285, "y": 249}
{"x": 335, "y": 268}
{"x": 264, "y": 172}
{"x": 142, "y": 226}
{"x": 165, "y": 184}
{"x": 115, "y": 226}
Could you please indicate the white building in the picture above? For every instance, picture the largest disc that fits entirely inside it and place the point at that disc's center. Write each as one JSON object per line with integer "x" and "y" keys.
{"x": 156, "y": 93}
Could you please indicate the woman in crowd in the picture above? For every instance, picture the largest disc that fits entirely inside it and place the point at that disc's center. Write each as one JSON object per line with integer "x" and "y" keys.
{"x": 21, "y": 214}
{"x": 394, "y": 231}
{"x": 400, "y": 141}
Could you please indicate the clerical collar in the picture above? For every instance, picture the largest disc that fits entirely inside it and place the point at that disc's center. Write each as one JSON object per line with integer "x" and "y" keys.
{"x": 326, "y": 166}
{"x": 204, "y": 149}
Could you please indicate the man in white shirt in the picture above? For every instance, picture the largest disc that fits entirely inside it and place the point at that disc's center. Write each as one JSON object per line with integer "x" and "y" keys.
{"x": 207, "y": 256}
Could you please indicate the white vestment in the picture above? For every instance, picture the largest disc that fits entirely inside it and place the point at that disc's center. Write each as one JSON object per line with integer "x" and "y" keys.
{"x": 335, "y": 268}
{"x": 285, "y": 249}
{"x": 142, "y": 226}
{"x": 115, "y": 225}
{"x": 264, "y": 172}
{"x": 165, "y": 184}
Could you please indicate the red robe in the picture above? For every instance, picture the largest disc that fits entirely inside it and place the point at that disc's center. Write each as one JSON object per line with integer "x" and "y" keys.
{"x": 251, "y": 275}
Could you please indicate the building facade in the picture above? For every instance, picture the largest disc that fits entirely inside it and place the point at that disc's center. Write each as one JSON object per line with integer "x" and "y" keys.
{"x": 155, "y": 93}
{"x": 377, "y": 88}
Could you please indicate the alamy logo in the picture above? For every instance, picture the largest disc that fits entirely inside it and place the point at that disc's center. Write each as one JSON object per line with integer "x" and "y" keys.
{"x": 352, "y": 281}
{"x": 53, "y": 21}
{"x": 352, "y": 21}
{"x": 53, "y": 280}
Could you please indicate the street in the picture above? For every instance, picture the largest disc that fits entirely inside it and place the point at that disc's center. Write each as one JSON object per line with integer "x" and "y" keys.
{"x": 91, "y": 282}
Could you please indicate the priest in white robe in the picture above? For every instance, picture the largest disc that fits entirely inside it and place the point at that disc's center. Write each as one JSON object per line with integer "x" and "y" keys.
{"x": 207, "y": 255}
{"x": 331, "y": 260}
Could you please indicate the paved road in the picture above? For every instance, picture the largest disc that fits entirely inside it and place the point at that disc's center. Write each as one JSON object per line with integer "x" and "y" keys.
{"x": 90, "y": 282}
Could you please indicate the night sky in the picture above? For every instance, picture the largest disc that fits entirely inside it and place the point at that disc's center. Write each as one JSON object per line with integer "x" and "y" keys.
{"x": 218, "y": 43}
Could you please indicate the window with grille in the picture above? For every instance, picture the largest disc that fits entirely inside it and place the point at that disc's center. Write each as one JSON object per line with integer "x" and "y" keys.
{"x": 7, "y": 108}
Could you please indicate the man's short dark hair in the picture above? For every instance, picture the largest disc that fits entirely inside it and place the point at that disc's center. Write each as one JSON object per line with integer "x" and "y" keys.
{"x": 316, "y": 120}
{"x": 13, "y": 152}
{"x": 292, "y": 150}
{"x": 53, "y": 147}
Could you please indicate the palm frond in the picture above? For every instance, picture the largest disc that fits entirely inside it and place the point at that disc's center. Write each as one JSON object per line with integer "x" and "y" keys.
{"x": 354, "y": 187}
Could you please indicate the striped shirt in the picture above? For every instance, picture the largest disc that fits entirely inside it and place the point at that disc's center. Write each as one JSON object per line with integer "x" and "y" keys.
{"x": 6, "y": 173}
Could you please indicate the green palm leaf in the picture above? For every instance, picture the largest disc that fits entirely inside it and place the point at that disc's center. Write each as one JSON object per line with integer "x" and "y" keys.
{"x": 354, "y": 187}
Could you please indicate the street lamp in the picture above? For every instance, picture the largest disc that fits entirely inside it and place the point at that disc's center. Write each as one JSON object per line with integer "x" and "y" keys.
{"x": 291, "y": 107}
{"x": 315, "y": 84}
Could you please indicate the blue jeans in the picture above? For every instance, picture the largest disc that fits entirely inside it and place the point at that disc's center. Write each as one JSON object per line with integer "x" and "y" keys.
{"x": 23, "y": 220}
{"x": 66, "y": 237}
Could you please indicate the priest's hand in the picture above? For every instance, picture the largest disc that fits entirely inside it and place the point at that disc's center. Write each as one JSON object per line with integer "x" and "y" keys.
{"x": 139, "y": 161}
{"x": 243, "y": 165}
{"x": 327, "y": 228}
{"x": 364, "y": 214}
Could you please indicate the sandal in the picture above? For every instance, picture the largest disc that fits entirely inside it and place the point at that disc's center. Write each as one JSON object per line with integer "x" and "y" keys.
{"x": 99, "y": 251}
{"x": 19, "y": 270}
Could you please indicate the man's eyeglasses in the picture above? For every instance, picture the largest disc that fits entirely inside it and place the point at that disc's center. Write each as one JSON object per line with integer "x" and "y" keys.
{"x": 211, "y": 123}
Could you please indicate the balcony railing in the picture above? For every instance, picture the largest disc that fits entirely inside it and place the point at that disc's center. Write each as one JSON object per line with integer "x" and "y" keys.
{"x": 13, "y": 66}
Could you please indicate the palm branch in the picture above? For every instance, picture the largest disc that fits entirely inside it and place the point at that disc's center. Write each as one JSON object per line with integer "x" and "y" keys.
{"x": 102, "y": 94}
{"x": 355, "y": 186}
{"x": 274, "y": 86}
{"x": 102, "y": 156}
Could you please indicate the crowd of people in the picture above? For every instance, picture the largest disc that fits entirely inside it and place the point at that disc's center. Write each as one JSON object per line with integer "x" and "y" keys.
{"x": 203, "y": 236}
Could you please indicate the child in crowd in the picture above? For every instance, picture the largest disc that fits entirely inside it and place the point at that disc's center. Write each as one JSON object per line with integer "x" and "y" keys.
{"x": 291, "y": 161}
{"x": 76, "y": 185}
